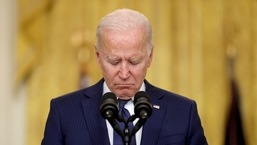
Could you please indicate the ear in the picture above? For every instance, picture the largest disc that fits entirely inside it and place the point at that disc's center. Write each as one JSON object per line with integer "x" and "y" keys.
{"x": 150, "y": 57}
{"x": 97, "y": 55}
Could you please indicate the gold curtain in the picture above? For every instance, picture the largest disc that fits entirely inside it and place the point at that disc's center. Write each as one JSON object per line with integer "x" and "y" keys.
{"x": 55, "y": 53}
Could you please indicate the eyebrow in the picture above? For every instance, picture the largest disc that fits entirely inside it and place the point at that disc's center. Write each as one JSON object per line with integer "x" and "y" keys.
{"x": 136, "y": 59}
{"x": 112, "y": 58}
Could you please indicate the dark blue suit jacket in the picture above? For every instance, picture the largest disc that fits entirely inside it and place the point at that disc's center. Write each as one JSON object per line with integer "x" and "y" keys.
{"x": 75, "y": 119}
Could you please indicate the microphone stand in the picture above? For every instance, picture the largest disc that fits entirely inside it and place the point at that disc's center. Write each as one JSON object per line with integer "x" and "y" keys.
{"x": 127, "y": 134}
{"x": 109, "y": 111}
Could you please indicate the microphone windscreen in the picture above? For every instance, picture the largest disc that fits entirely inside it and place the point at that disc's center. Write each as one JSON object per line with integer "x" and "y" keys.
{"x": 108, "y": 107}
{"x": 143, "y": 107}
{"x": 109, "y": 96}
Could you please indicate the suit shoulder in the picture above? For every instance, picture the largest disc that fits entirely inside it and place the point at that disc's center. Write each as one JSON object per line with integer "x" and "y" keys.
{"x": 77, "y": 95}
{"x": 175, "y": 102}
{"x": 170, "y": 97}
{"x": 174, "y": 96}
{"x": 70, "y": 97}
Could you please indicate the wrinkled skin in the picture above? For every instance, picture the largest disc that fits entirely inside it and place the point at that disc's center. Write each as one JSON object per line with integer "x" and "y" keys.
{"x": 124, "y": 60}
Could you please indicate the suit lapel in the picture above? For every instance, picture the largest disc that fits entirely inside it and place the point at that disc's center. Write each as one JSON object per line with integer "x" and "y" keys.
{"x": 95, "y": 123}
{"x": 153, "y": 125}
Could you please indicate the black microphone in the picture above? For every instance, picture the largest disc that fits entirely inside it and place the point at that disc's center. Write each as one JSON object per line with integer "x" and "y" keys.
{"x": 109, "y": 110}
{"x": 108, "y": 107}
{"x": 143, "y": 107}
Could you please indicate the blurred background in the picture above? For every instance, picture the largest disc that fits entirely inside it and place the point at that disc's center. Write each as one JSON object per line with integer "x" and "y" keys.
{"x": 204, "y": 49}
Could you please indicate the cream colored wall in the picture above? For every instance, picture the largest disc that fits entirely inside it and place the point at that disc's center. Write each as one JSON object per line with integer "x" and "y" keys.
{"x": 55, "y": 48}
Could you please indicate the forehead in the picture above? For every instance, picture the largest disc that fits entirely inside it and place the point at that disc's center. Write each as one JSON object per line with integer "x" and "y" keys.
{"x": 129, "y": 41}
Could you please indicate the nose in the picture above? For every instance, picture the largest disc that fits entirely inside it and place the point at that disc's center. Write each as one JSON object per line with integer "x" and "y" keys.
{"x": 124, "y": 71}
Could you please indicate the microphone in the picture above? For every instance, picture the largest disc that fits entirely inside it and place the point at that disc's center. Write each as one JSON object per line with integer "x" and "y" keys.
{"x": 108, "y": 107}
{"x": 143, "y": 107}
{"x": 109, "y": 110}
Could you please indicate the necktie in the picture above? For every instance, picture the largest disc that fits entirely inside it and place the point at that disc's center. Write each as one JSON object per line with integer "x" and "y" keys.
{"x": 124, "y": 113}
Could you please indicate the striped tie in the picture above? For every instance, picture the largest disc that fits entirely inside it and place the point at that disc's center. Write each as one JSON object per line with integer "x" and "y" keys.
{"x": 124, "y": 113}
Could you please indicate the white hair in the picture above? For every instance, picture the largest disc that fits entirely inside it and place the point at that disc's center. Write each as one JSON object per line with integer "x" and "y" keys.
{"x": 122, "y": 20}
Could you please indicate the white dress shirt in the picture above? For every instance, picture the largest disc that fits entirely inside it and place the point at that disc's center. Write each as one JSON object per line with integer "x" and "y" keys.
{"x": 130, "y": 107}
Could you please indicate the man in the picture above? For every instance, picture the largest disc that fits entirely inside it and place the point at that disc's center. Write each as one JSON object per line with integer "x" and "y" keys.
{"x": 124, "y": 51}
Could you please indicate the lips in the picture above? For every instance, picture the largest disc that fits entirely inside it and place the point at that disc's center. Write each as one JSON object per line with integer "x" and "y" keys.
{"x": 123, "y": 86}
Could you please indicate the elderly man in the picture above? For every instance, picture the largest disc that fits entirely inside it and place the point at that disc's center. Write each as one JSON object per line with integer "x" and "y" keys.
{"x": 124, "y": 51}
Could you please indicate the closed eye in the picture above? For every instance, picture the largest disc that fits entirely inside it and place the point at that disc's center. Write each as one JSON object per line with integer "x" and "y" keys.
{"x": 114, "y": 62}
{"x": 134, "y": 62}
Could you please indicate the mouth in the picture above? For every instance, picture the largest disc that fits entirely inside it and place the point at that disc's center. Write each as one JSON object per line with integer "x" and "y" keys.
{"x": 124, "y": 86}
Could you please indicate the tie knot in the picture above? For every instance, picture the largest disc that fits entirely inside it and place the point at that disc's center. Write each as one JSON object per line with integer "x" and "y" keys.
{"x": 122, "y": 103}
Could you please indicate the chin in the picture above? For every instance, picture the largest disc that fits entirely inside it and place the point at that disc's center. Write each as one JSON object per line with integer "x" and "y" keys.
{"x": 125, "y": 94}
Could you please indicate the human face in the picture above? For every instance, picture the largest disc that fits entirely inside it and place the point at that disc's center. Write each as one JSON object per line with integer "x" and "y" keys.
{"x": 124, "y": 59}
